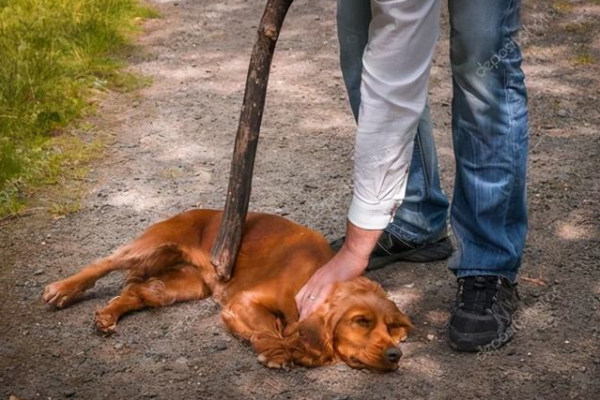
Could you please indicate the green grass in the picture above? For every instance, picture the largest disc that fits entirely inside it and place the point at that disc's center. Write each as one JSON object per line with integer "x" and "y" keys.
{"x": 584, "y": 58}
{"x": 562, "y": 6}
{"x": 55, "y": 55}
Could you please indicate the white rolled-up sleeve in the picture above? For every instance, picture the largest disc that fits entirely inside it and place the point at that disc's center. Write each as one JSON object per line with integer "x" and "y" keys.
{"x": 395, "y": 81}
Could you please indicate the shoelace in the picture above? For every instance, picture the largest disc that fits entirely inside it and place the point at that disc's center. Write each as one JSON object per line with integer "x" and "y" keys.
{"x": 478, "y": 294}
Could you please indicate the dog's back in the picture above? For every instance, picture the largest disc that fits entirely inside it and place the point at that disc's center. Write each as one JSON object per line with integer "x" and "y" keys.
{"x": 276, "y": 256}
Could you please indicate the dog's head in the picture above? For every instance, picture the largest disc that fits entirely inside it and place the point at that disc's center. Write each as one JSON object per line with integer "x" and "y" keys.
{"x": 357, "y": 324}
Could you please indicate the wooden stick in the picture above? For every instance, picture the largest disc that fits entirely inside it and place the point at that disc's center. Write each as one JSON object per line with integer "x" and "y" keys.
{"x": 225, "y": 249}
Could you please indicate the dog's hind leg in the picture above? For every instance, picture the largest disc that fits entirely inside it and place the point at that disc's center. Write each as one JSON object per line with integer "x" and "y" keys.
{"x": 147, "y": 260}
{"x": 64, "y": 292}
{"x": 176, "y": 285}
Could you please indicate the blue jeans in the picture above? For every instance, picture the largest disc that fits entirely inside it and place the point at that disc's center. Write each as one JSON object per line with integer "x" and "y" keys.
{"x": 489, "y": 126}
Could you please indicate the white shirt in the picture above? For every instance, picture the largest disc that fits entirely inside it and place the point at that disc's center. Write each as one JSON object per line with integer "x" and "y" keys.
{"x": 395, "y": 80}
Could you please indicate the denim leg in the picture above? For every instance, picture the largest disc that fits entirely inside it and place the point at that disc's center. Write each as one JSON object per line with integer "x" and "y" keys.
{"x": 490, "y": 132}
{"x": 353, "y": 20}
{"x": 422, "y": 216}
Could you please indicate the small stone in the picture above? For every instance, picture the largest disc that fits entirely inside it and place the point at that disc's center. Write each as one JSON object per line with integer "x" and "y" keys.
{"x": 38, "y": 272}
{"x": 221, "y": 346}
{"x": 69, "y": 392}
{"x": 119, "y": 346}
{"x": 181, "y": 361}
{"x": 563, "y": 113}
{"x": 430, "y": 337}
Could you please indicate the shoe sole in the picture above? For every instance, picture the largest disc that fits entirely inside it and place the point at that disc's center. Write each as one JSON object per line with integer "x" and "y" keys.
{"x": 433, "y": 252}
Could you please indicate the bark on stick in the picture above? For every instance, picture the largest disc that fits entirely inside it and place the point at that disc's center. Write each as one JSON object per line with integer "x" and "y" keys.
{"x": 225, "y": 249}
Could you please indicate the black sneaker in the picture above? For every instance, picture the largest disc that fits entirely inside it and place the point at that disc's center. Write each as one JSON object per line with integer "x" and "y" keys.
{"x": 390, "y": 249}
{"x": 483, "y": 315}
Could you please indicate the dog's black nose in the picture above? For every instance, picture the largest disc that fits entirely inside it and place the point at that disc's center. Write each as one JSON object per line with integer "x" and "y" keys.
{"x": 393, "y": 354}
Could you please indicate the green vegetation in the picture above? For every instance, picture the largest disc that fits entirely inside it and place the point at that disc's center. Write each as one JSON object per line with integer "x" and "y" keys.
{"x": 584, "y": 58}
{"x": 562, "y": 6}
{"x": 579, "y": 28}
{"x": 55, "y": 55}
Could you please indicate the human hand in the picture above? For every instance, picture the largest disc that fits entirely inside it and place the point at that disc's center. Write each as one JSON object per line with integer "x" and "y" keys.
{"x": 347, "y": 264}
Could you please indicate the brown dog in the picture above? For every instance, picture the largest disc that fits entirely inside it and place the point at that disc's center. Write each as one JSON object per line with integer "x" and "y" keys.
{"x": 169, "y": 263}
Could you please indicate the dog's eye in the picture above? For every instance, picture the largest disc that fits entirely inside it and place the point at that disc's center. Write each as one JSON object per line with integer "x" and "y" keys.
{"x": 362, "y": 321}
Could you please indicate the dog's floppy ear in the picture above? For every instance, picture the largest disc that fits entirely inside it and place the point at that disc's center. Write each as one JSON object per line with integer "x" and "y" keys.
{"x": 310, "y": 342}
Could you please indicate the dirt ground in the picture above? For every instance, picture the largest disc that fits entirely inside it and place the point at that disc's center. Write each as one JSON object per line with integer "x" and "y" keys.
{"x": 171, "y": 152}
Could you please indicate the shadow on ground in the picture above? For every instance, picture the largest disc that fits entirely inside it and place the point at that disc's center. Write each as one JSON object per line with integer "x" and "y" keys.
{"x": 171, "y": 152}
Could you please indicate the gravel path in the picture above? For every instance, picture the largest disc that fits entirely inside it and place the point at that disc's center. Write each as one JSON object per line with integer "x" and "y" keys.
{"x": 171, "y": 151}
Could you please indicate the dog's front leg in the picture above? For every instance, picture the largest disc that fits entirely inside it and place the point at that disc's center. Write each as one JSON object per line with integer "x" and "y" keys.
{"x": 248, "y": 319}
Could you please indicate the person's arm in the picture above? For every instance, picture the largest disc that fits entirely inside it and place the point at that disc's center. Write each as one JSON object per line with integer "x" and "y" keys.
{"x": 395, "y": 80}
{"x": 394, "y": 88}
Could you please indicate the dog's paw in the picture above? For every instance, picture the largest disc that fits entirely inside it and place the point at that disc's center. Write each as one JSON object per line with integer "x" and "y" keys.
{"x": 105, "y": 322}
{"x": 61, "y": 294}
{"x": 275, "y": 361}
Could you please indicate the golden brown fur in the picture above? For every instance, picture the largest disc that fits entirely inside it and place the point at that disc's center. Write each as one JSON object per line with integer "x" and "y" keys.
{"x": 170, "y": 263}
